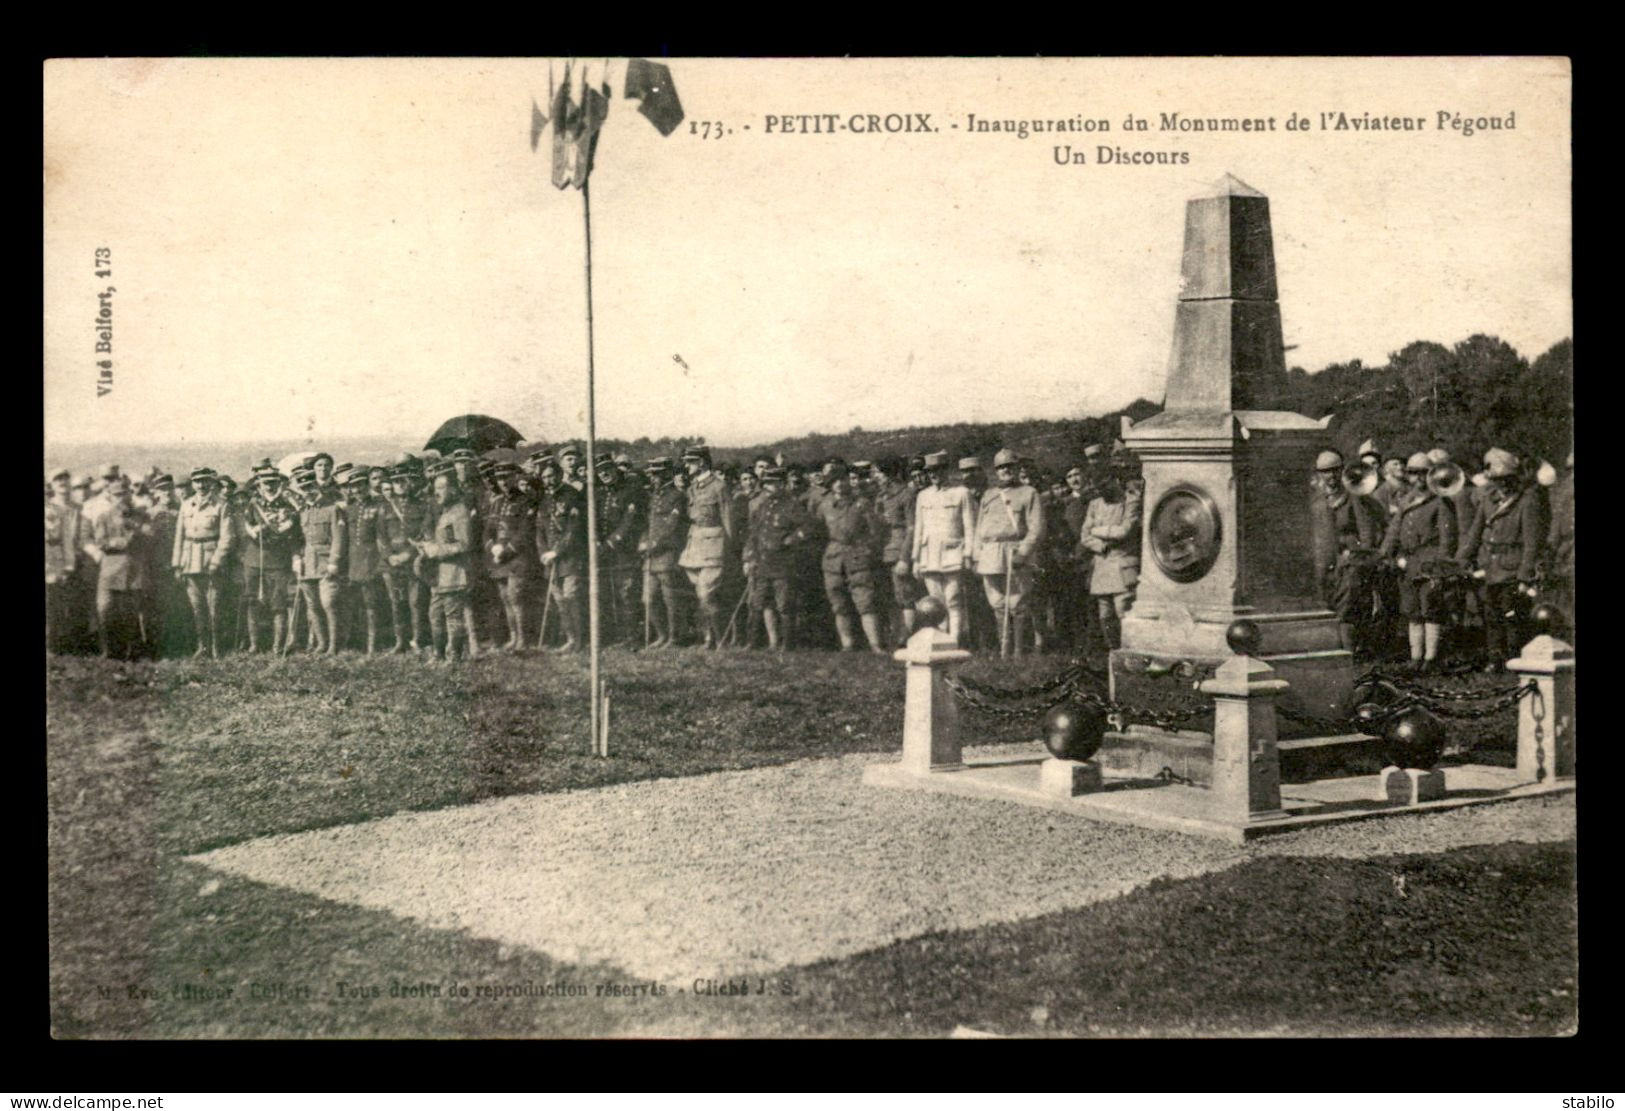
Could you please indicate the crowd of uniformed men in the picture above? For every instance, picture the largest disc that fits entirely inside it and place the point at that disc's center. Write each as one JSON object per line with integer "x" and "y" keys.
{"x": 464, "y": 554}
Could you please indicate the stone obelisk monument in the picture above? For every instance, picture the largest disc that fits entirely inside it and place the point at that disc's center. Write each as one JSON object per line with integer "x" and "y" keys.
{"x": 1227, "y": 496}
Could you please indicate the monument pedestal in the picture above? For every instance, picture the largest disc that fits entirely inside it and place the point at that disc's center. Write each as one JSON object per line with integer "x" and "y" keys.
{"x": 1230, "y": 517}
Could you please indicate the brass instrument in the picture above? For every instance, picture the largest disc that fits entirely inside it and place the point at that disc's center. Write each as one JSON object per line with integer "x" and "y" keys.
{"x": 1361, "y": 478}
{"x": 1446, "y": 479}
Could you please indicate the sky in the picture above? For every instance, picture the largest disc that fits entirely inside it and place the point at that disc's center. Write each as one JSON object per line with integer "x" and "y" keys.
{"x": 308, "y": 248}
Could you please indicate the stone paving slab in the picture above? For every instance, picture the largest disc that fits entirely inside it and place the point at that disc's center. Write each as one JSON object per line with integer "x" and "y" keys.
{"x": 741, "y": 872}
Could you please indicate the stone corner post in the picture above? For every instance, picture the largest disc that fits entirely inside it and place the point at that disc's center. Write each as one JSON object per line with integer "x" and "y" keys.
{"x": 1246, "y": 762}
{"x": 1546, "y": 717}
{"x": 930, "y": 716}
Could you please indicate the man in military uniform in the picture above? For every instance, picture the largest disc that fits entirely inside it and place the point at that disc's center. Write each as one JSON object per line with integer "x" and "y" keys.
{"x": 944, "y": 524}
{"x": 1348, "y": 529}
{"x": 620, "y": 527}
{"x": 1420, "y": 538}
{"x": 1111, "y": 534}
{"x": 665, "y": 538}
{"x": 451, "y": 545}
{"x": 363, "y": 562}
{"x": 896, "y": 500}
{"x": 1503, "y": 544}
{"x": 268, "y": 537}
{"x": 321, "y": 469}
{"x": 116, "y": 542}
{"x": 778, "y": 526}
{"x": 1009, "y": 527}
{"x": 510, "y": 548}
{"x": 1072, "y": 560}
{"x": 62, "y": 553}
{"x": 561, "y": 544}
{"x": 321, "y": 575}
{"x": 201, "y": 547}
{"x": 406, "y": 519}
{"x": 854, "y": 534}
{"x": 710, "y": 536}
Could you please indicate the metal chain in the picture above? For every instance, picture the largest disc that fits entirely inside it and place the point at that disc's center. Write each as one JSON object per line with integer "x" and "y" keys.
{"x": 1065, "y": 677}
{"x": 1537, "y": 710}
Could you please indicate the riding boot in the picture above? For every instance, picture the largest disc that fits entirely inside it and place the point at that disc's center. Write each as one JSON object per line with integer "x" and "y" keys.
{"x": 253, "y": 634}
{"x": 1018, "y": 633}
{"x": 200, "y": 623}
{"x": 519, "y": 625}
{"x": 871, "y": 632}
{"x": 279, "y": 632}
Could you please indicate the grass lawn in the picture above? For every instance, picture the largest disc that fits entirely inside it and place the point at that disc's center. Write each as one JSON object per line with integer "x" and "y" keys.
{"x": 148, "y": 763}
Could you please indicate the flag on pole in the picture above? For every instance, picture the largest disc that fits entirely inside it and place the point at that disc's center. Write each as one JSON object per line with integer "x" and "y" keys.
{"x": 578, "y": 116}
{"x": 650, "y": 83}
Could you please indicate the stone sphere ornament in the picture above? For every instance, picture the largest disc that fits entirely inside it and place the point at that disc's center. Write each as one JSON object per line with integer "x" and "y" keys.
{"x": 1370, "y": 718}
{"x": 1073, "y": 731}
{"x": 1413, "y": 738}
{"x": 1547, "y": 620}
{"x": 929, "y": 612}
{"x": 1244, "y": 637}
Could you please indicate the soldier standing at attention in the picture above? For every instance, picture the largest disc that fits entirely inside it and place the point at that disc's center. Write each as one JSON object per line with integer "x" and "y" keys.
{"x": 561, "y": 543}
{"x": 363, "y": 563}
{"x": 896, "y": 501}
{"x": 662, "y": 541}
{"x": 1009, "y": 527}
{"x": 450, "y": 546}
{"x": 1111, "y": 533}
{"x": 1073, "y": 559}
{"x": 944, "y": 523}
{"x": 202, "y": 543}
{"x": 778, "y": 526}
{"x": 1420, "y": 536}
{"x": 709, "y": 538}
{"x": 1503, "y": 543}
{"x": 272, "y": 530}
{"x": 321, "y": 524}
{"x": 855, "y": 534}
{"x": 510, "y": 548}
{"x": 1349, "y": 527}
{"x": 62, "y": 549}
{"x": 982, "y": 628}
{"x": 405, "y": 521}
{"x": 117, "y": 536}
{"x": 620, "y": 525}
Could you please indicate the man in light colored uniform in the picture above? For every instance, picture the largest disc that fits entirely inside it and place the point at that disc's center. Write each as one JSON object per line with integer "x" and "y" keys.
{"x": 944, "y": 522}
{"x": 1009, "y": 526}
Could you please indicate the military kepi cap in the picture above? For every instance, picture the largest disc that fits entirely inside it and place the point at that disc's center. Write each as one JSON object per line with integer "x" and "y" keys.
{"x": 203, "y": 474}
{"x": 1500, "y": 463}
{"x": 970, "y": 463}
{"x": 773, "y": 474}
{"x": 604, "y": 459}
{"x": 935, "y": 459}
{"x": 1006, "y": 458}
{"x": 697, "y": 451}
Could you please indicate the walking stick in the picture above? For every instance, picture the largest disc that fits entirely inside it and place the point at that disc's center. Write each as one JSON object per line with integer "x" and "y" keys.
{"x": 547, "y": 603}
{"x": 729, "y": 636}
{"x": 1004, "y": 630}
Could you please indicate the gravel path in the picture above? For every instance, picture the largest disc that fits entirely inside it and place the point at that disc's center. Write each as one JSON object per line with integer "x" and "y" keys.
{"x": 751, "y": 871}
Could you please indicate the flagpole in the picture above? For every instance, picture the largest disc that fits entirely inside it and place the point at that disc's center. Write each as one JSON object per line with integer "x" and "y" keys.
{"x": 592, "y": 485}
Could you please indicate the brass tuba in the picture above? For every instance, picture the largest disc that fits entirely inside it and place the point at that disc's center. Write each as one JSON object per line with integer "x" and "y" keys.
{"x": 1446, "y": 479}
{"x": 1360, "y": 478}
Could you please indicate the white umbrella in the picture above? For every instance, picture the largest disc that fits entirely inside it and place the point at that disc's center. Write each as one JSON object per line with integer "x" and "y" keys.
{"x": 297, "y": 459}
